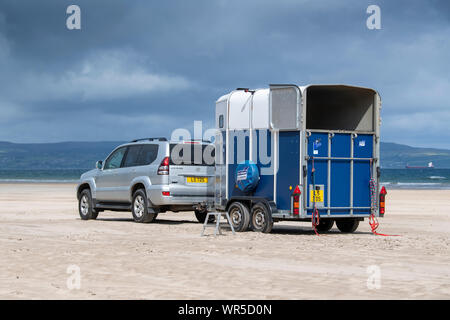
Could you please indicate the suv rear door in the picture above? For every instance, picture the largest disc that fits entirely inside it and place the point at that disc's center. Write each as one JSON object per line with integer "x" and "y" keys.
{"x": 191, "y": 170}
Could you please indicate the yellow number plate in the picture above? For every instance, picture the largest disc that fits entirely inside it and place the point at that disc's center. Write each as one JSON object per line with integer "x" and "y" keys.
{"x": 197, "y": 180}
{"x": 318, "y": 195}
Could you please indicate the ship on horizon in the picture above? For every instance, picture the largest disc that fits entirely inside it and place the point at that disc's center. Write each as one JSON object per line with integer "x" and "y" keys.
{"x": 429, "y": 166}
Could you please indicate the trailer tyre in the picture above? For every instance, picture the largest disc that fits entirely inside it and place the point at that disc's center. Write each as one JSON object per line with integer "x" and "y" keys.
{"x": 139, "y": 208}
{"x": 239, "y": 216}
{"x": 325, "y": 225}
{"x": 201, "y": 216}
{"x": 347, "y": 225}
{"x": 261, "y": 218}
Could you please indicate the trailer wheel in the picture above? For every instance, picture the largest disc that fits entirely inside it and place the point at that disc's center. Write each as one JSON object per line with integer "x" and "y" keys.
{"x": 239, "y": 216}
{"x": 325, "y": 225}
{"x": 201, "y": 216}
{"x": 347, "y": 225}
{"x": 261, "y": 218}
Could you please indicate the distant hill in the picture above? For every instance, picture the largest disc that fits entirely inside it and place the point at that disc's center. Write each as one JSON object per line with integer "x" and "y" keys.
{"x": 63, "y": 155}
{"x": 395, "y": 155}
{"x": 83, "y": 155}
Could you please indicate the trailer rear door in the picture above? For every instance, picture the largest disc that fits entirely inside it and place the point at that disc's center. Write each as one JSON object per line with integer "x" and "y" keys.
{"x": 339, "y": 172}
{"x": 341, "y": 149}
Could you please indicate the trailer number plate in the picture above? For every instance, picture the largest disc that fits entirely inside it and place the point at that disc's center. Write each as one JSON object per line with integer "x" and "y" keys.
{"x": 197, "y": 180}
{"x": 318, "y": 194}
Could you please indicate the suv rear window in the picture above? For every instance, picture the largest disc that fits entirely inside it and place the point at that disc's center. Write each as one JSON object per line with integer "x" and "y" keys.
{"x": 148, "y": 154}
{"x": 192, "y": 154}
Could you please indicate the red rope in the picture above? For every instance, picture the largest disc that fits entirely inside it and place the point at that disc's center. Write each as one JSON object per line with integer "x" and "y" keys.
{"x": 315, "y": 219}
{"x": 373, "y": 222}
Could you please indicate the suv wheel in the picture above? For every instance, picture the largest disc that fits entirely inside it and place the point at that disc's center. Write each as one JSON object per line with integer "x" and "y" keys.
{"x": 85, "y": 207}
{"x": 201, "y": 216}
{"x": 139, "y": 208}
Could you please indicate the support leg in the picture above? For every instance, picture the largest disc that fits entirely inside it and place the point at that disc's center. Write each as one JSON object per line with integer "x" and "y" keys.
{"x": 217, "y": 225}
{"x": 229, "y": 222}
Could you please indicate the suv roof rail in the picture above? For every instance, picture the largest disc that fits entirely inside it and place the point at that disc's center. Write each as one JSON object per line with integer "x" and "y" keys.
{"x": 150, "y": 139}
{"x": 194, "y": 140}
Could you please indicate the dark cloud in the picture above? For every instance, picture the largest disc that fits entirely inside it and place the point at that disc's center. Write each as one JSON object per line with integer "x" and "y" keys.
{"x": 142, "y": 68}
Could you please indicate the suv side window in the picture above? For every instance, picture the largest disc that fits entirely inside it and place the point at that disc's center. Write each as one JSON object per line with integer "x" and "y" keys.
{"x": 115, "y": 159}
{"x": 149, "y": 152}
{"x": 132, "y": 157}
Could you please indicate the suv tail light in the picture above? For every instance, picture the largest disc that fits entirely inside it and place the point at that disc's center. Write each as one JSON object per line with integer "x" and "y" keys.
{"x": 163, "y": 168}
{"x": 383, "y": 193}
{"x": 296, "y": 202}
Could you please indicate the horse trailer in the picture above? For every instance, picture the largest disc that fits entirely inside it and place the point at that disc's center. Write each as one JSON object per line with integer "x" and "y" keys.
{"x": 298, "y": 153}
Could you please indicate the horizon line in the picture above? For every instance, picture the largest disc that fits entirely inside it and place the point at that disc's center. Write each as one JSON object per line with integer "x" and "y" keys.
{"x": 126, "y": 141}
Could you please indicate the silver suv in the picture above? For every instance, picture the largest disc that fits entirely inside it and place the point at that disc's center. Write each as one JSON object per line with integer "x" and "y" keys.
{"x": 150, "y": 176}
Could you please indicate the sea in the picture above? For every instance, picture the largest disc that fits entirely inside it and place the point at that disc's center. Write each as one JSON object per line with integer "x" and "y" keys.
{"x": 416, "y": 178}
{"x": 391, "y": 178}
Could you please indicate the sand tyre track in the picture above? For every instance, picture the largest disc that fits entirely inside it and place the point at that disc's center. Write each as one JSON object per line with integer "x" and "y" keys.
{"x": 239, "y": 216}
{"x": 201, "y": 216}
{"x": 261, "y": 218}
{"x": 85, "y": 206}
{"x": 325, "y": 225}
{"x": 139, "y": 208}
{"x": 347, "y": 225}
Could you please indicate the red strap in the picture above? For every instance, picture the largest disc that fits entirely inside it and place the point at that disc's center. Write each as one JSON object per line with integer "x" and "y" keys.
{"x": 373, "y": 222}
{"x": 315, "y": 219}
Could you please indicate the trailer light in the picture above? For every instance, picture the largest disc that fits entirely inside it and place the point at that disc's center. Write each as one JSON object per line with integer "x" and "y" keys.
{"x": 296, "y": 200}
{"x": 163, "y": 168}
{"x": 296, "y": 205}
{"x": 383, "y": 193}
{"x": 166, "y": 193}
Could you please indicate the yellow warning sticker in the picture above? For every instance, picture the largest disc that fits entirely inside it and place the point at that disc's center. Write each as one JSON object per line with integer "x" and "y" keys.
{"x": 318, "y": 194}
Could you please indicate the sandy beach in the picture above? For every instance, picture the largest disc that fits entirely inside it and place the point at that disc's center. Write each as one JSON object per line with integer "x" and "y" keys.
{"x": 42, "y": 235}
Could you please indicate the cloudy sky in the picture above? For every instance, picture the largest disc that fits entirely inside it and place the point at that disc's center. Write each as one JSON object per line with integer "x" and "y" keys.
{"x": 143, "y": 68}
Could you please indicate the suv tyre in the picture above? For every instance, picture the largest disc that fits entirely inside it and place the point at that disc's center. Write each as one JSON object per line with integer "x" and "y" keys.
{"x": 139, "y": 208}
{"x": 85, "y": 206}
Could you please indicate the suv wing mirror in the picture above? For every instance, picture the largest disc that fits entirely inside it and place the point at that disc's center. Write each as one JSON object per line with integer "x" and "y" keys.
{"x": 99, "y": 164}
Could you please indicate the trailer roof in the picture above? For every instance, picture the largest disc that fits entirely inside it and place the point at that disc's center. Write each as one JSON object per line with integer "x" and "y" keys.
{"x": 302, "y": 89}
